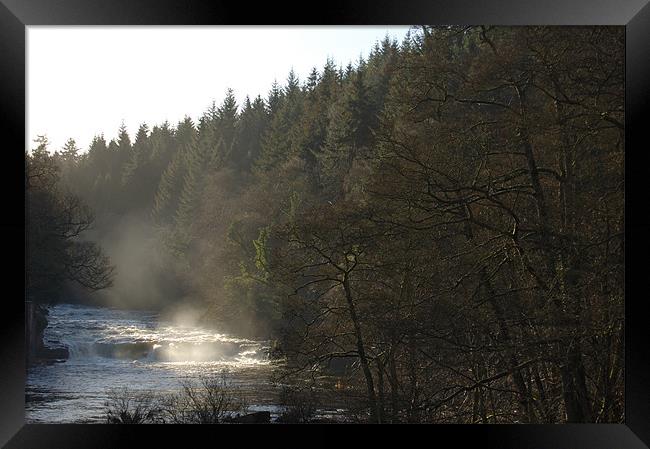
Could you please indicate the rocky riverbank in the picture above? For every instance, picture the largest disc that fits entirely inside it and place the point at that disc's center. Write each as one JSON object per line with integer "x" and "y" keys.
{"x": 37, "y": 350}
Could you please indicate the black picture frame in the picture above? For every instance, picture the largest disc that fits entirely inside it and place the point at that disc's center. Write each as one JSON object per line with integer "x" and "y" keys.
{"x": 15, "y": 15}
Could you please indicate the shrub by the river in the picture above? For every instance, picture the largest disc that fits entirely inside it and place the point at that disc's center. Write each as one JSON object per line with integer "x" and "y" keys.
{"x": 131, "y": 407}
{"x": 206, "y": 401}
{"x": 300, "y": 405}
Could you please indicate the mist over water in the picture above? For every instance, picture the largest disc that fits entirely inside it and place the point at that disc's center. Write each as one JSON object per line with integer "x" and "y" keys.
{"x": 113, "y": 348}
{"x": 146, "y": 275}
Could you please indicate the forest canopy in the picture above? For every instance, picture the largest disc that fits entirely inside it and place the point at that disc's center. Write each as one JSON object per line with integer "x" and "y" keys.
{"x": 442, "y": 222}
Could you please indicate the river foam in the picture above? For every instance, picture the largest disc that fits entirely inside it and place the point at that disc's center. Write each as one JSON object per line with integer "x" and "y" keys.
{"x": 112, "y": 348}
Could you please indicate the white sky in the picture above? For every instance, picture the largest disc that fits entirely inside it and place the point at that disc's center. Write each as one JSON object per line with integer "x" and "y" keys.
{"x": 84, "y": 81}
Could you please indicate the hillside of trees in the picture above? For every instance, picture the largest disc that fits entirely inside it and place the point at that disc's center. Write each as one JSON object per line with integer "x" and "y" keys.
{"x": 441, "y": 222}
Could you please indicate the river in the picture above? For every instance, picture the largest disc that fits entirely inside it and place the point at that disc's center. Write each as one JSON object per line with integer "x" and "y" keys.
{"x": 112, "y": 348}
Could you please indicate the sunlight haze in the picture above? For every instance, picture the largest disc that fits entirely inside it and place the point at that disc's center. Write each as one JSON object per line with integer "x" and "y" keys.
{"x": 84, "y": 81}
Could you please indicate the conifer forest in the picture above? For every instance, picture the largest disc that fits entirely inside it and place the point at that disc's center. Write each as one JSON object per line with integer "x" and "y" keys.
{"x": 432, "y": 234}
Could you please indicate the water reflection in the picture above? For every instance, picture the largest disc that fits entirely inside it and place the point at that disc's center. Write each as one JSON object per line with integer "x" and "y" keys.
{"x": 115, "y": 348}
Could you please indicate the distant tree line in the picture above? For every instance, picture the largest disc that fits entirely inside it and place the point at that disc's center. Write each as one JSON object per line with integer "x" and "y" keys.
{"x": 58, "y": 257}
{"x": 444, "y": 220}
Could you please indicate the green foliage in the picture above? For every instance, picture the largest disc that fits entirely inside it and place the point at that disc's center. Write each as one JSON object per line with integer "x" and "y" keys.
{"x": 57, "y": 223}
{"x": 261, "y": 252}
{"x": 450, "y": 205}
{"x": 278, "y": 141}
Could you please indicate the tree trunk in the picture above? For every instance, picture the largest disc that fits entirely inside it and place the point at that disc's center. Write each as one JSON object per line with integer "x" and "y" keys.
{"x": 363, "y": 360}
{"x": 571, "y": 367}
{"x": 380, "y": 389}
{"x": 392, "y": 379}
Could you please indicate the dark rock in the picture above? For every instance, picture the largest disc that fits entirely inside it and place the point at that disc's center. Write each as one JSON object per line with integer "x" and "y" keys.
{"x": 37, "y": 351}
{"x": 252, "y": 418}
{"x": 325, "y": 421}
{"x": 275, "y": 351}
{"x": 60, "y": 353}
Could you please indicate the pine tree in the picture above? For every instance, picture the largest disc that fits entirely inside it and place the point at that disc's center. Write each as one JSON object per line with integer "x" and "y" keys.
{"x": 278, "y": 141}
{"x": 139, "y": 157}
{"x": 349, "y": 133}
{"x": 251, "y": 127}
{"x": 227, "y": 129}
{"x": 70, "y": 152}
{"x": 169, "y": 190}
{"x": 314, "y": 121}
{"x": 275, "y": 98}
{"x": 293, "y": 84}
{"x": 68, "y": 159}
{"x": 170, "y": 187}
{"x": 190, "y": 196}
{"x": 312, "y": 80}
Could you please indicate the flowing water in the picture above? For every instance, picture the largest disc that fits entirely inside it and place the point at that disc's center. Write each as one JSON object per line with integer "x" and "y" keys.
{"x": 111, "y": 348}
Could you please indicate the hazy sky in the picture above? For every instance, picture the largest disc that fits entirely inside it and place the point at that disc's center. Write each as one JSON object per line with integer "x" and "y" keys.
{"x": 84, "y": 81}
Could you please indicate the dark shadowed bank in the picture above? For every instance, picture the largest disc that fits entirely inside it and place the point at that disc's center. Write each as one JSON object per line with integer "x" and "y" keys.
{"x": 36, "y": 350}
